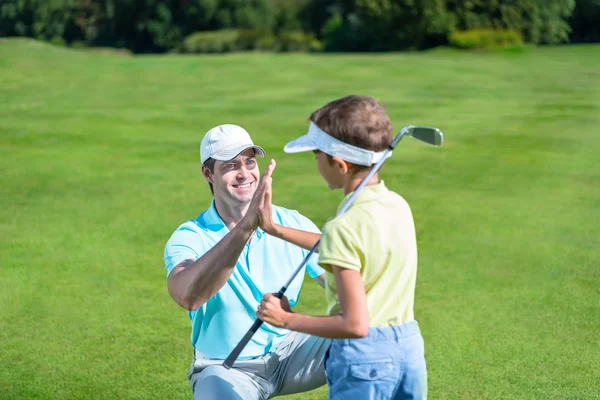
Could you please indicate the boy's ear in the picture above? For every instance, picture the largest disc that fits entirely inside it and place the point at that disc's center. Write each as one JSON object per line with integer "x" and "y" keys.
{"x": 207, "y": 174}
{"x": 342, "y": 166}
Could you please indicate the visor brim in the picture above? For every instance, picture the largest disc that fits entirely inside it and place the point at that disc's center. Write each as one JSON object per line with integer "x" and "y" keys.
{"x": 303, "y": 143}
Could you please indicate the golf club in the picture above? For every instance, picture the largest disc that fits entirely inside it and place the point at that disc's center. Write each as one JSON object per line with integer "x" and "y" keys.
{"x": 429, "y": 135}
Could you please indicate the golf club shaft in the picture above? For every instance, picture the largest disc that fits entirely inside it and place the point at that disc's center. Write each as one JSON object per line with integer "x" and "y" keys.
{"x": 256, "y": 325}
{"x": 253, "y": 329}
{"x": 228, "y": 363}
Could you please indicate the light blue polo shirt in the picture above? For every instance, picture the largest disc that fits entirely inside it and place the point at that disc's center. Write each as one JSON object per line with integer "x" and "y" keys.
{"x": 264, "y": 266}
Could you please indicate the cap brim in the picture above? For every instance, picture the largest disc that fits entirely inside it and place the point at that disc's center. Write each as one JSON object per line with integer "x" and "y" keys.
{"x": 303, "y": 143}
{"x": 233, "y": 152}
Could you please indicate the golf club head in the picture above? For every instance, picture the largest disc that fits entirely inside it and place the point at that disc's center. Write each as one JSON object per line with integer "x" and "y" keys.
{"x": 429, "y": 135}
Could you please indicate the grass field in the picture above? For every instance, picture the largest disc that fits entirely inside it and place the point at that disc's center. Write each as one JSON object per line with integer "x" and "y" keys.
{"x": 99, "y": 164}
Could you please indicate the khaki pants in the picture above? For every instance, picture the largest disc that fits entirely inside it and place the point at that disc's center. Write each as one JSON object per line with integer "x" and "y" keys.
{"x": 296, "y": 365}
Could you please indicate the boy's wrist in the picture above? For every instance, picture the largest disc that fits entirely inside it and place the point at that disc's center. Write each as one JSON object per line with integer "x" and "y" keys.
{"x": 288, "y": 322}
{"x": 276, "y": 231}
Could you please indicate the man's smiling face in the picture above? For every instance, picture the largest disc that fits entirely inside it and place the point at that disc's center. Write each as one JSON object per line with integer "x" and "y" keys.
{"x": 237, "y": 179}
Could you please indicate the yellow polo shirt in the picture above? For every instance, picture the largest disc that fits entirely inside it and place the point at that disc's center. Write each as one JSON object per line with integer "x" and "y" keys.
{"x": 375, "y": 236}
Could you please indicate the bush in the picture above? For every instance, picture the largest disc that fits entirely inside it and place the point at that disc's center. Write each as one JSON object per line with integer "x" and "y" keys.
{"x": 298, "y": 41}
{"x": 230, "y": 40}
{"x": 538, "y": 21}
{"x": 58, "y": 41}
{"x": 256, "y": 39}
{"x": 78, "y": 45}
{"x": 211, "y": 41}
{"x": 485, "y": 38}
{"x": 249, "y": 39}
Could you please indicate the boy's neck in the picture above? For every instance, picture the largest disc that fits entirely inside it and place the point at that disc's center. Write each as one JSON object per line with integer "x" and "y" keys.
{"x": 353, "y": 180}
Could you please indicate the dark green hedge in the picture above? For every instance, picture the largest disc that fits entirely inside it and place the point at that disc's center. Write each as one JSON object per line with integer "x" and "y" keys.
{"x": 290, "y": 25}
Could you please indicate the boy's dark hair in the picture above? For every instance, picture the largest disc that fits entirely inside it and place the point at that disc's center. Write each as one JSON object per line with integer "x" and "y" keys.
{"x": 210, "y": 164}
{"x": 357, "y": 120}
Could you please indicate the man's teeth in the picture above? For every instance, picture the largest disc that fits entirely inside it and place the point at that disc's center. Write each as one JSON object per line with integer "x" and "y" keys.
{"x": 244, "y": 186}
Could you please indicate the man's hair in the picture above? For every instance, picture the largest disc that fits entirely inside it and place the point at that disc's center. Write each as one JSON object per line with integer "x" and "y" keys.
{"x": 357, "y": 120}
{"x": 210, "y": 164}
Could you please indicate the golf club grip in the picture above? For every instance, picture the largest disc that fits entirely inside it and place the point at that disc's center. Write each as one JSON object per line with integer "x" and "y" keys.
{"x": 228, "y": 363}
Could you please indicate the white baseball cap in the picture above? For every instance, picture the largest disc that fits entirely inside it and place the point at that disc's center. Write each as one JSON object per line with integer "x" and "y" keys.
{"x": 225, "y": 142}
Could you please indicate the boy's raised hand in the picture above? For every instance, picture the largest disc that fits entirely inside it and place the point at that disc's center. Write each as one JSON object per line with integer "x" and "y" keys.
{"x": 265, "y": 212}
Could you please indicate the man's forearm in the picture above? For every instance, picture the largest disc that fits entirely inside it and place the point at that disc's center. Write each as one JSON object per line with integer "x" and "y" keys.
{"x": 193, "y": 283}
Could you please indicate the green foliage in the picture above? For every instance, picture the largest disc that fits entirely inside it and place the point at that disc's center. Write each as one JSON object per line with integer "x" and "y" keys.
{"x": 288, "y": 14}
{"x": 256, "y": 39}
{"x": 538, "y": 21}
{"x": 313, "y": 15}
{"x": 228, "y": 40}
{"x": 345, "y": 34}
{"x": 585, "y": 21}
{"x": 403, "y": 24}
{"x": 140, "y": 25}
{"x": 58, "y": 41}
{"x": 342, "y": 25}
{"x": 41, "y": 19}
{"x": 212, "y": 41}
{"x": 485, "y": 38}
{"x": 298, "y": 41}
{"x": 245, "y": 14}
{"x": 78, "y": 44}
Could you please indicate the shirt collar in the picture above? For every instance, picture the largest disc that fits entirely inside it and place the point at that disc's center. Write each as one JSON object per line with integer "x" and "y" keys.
{"x": 213, "y": 221}
{"x": 368, "y": 193}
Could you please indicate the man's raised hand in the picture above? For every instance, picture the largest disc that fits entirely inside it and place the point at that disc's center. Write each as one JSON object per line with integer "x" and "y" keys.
{"x": 251, "y": 219}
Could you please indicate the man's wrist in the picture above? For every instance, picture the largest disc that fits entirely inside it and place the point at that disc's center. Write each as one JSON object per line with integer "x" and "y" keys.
{"x": 245, "y": 227}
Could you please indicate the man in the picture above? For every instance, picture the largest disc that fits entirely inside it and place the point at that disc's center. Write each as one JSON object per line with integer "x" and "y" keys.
{"x": 219, "y": 267}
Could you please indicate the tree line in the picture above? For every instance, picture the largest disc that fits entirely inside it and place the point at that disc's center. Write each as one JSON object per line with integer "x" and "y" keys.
{"x": 329, "y": 25}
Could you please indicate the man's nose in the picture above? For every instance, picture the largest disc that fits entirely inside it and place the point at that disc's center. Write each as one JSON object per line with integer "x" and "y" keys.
{"x": 242, "y": 173}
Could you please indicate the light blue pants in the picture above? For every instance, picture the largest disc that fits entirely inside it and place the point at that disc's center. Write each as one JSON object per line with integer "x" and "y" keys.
{"x": 389, "y": 363}
{"x": 295, "y": 366}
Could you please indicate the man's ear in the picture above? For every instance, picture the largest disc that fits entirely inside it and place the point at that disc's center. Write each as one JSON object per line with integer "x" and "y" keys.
{"x": 207, "y": 174}
{"x": 341, "y": 165}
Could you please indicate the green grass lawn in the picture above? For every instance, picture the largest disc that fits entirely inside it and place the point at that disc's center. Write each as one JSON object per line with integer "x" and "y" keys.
{"x": 99, "y": 163}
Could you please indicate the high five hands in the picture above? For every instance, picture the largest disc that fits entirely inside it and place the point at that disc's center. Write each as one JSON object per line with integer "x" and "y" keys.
{"x": 253, "y": 216}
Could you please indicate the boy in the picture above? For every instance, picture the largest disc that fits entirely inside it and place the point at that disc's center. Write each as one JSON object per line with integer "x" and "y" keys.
{"x": 370, "y": 257}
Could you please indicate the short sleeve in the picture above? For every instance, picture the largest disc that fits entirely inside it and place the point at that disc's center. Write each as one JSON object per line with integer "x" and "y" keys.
{"x": 183, "y": 245}
{"x": 312, "y": 265}
{"x": 340, "y": 248}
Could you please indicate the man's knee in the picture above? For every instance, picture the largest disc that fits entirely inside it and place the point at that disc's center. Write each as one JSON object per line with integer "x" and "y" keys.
{"x": 217, "y": 382}
{"x": 302, "y": 366}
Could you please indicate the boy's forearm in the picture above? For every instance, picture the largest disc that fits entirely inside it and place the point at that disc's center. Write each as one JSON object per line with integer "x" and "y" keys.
{"x": 300, "y": 238}
{"x": 333, "y": 326}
